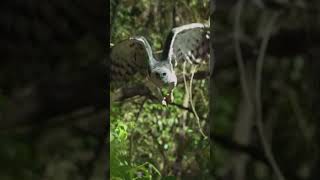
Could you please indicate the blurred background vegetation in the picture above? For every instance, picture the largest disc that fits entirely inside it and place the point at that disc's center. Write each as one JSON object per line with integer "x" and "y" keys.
{"x": 287, "y": 110}
{"x": 53, "y": 91}
{"x": 148, "y": 140}
{"x": 54, "y": 95}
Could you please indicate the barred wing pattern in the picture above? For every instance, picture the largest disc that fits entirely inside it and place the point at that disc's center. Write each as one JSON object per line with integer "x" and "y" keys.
{"x": 188, "y": 42}
{"x": 134, "y": 56}
{"x": 130, "y": 57}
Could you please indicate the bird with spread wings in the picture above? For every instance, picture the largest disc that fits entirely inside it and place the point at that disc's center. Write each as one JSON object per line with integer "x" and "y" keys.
{"x": 134, "y": 56}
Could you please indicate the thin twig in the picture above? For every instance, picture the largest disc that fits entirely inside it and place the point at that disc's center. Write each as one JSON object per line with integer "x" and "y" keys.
{"x": 301, "y": 119}
{"x": 192, "y": 105}
{"x": 259, "y": 68}
{"x": 161, "y": 150}
{"x": 186, "y": 109}
{"x": 244, "y": 83}
{"x": 189, "y": 91}
{"x": 132, "y": 133}
{"x": 238, "y": 51}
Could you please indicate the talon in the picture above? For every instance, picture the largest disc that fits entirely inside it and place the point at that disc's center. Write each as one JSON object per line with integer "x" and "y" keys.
{"x": 164, "y": 102}
{"x": 169, "y": 98}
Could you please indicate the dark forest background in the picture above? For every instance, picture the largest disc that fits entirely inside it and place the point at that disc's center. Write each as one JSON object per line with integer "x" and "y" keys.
{"x": 265, "y": 107}
{"x": 53, "y": 89}
{"x": 54, "y": 95}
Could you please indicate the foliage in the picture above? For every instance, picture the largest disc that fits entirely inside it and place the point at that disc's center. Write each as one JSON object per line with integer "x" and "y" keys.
{"x": 164, "y": 141}
{"x": 120, "y": 165}
{"x": 144, "y": 132}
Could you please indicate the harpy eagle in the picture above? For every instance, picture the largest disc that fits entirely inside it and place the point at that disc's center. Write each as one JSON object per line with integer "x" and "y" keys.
{"x": 134, "y": 56}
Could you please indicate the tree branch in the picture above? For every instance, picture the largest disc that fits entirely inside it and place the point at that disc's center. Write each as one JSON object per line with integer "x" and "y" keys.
{"x": 258, "y": 102}
{"x": 228, "y": 143}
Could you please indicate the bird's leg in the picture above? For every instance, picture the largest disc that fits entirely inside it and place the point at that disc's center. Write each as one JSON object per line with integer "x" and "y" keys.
{"x": 164, "y": 100}
{"x": 169, "y": 98}
{"x": 165, "y": 97}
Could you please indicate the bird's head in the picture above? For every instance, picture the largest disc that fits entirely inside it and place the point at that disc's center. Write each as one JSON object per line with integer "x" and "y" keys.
{"x": 164, "y": 77}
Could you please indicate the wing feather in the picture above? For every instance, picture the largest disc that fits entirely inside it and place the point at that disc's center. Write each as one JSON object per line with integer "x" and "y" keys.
{"x": 130, "y": 57}
{"x": 188, "y": 42}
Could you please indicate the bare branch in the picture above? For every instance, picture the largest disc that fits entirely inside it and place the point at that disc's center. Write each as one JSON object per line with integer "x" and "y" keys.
{"x": 259, "y": 68}
{"x": 239, "y": 58}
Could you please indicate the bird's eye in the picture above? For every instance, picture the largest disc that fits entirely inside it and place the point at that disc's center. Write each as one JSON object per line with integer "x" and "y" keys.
{"x": 163, "y": 74}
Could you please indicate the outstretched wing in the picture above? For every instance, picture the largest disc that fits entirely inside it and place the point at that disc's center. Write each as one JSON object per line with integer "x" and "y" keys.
{"x": 130, "y": 57}
{"x": 188, "y": 42}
